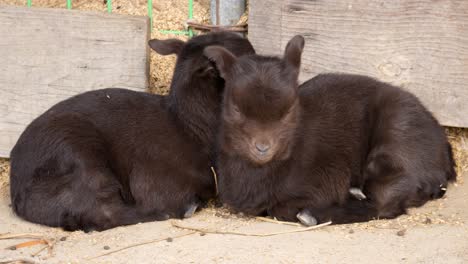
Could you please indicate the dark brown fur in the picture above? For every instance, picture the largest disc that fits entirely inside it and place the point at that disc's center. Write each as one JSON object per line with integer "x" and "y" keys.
{"x": 116, "y": 157}
{"x": 334, "y": 132}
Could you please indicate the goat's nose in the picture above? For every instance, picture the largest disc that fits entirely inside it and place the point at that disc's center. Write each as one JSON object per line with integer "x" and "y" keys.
{"x": 263, "y": 148}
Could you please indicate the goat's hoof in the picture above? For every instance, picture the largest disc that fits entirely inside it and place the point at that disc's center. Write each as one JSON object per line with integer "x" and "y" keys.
{"x": 163, "y": 217}
{"x": 306, "y": 219}
{"x": 190, "y": 210}
{"x": 357, "y": 193}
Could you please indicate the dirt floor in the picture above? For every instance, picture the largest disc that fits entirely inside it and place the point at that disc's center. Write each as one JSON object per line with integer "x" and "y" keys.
{"x": 434, "y": 233}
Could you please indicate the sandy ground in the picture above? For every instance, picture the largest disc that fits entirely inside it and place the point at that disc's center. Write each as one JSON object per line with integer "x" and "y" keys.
{"x": 435, "y": 233}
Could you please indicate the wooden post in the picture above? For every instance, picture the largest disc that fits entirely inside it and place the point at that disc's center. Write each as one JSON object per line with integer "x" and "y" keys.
{"x": 49, "y": 55}
{"x": 421, "y": 45}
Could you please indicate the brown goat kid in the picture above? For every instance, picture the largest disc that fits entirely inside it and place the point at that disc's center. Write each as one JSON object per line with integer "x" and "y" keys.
{"x": 115, "y": 157}
{"x": 294, "y": 152}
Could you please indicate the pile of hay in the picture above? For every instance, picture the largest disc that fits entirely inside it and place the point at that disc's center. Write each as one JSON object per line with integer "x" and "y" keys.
{"x": 458, "y": 138}
{"x": 4, "y": 177}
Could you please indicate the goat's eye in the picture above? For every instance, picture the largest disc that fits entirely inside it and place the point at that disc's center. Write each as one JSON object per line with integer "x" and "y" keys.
{"x": 288, "y": 115}
{"x": 236, "y": 115}
{"x": 203, "y": 71}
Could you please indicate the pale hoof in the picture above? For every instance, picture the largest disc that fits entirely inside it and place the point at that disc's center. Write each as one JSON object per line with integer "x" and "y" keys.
{"x": 190, "y": 210}
{"x": 357, "y": 193}
{"x": 163, "y": 217}
{"x": 306, "y": 219}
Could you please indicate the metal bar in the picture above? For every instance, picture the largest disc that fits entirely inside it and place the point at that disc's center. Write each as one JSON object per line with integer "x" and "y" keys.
{"x": 217, "y": 12}
{"x": 175, "y": 32}
{"x": 109, "y": 6}
{"x": 226, "y": 12}
{"x": 150, "y": 13}
{"x": 190, "y": 17}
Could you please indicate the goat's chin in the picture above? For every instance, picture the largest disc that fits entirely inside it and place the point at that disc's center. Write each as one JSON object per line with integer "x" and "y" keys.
{"x": 259, "y": 161}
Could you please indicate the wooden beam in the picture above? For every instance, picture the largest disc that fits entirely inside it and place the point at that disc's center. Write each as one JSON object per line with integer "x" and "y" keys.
{"x": 265, "y": 26}
{"x": 421, "y": 45}
{"x": 51, "y": 54}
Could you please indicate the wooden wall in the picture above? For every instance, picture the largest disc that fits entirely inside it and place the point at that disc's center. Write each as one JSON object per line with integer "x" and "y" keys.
{"x": 48, "y": 55}
{"x": 419, "y": 44}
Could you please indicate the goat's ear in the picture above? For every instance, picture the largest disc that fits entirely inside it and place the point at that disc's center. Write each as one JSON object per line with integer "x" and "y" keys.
{"x": 222, "y": 57}
{"x": 293, "y": 52}
{"x": 167, "y": 46}
{"x": 207, "y": 71}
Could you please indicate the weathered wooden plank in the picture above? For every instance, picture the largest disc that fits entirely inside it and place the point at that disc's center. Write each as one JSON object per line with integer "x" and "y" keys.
{"x": 48, "y": 55}
{"x": 419, "y": 44}
{"x": 265, "y": 25}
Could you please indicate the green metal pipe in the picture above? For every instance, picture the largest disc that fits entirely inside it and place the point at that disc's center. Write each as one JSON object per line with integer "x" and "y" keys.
{"x": 190, "y": 16}
{"x": 109, "y": 6}
{"x": 175, "y": 32}
{"x": 150, "y": 13}
{"x": 190, "y": 9}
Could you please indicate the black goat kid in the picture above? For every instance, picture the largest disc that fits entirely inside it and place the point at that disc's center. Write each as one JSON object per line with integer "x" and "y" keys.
{"x": 294, "y": 152}
{"x": 115, "y": 157}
